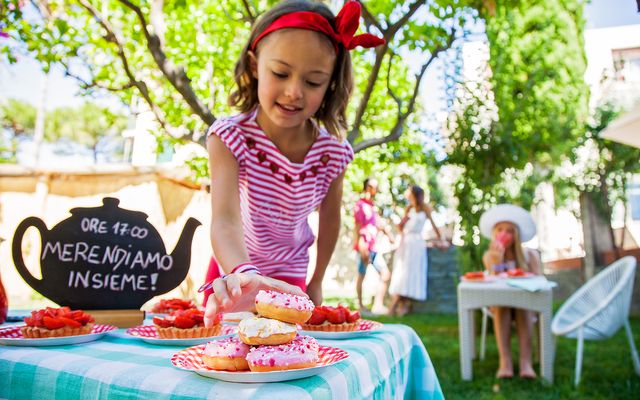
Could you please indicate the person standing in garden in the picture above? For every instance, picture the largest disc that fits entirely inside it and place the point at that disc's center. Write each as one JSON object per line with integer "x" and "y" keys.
{"x": 507, "y": 226}
{"x": 409, "y": 277}
{"x": 367, "y": 225}
{"x": 283, "y": 156}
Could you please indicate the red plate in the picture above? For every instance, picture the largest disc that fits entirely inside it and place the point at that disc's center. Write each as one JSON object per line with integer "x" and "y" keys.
{"x": 12, "y": 336}
{"x": 150, "y": 331}
{"x": 14, "y": 332}
{"x": 149, "y": 334}
{"x": 365, "y": 327}
{"x": 486, "y": 279}
{"x": 191, "y": 360}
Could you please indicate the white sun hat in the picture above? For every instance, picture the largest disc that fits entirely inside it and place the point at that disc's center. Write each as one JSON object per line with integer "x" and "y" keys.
{"x": 508, "y": 213}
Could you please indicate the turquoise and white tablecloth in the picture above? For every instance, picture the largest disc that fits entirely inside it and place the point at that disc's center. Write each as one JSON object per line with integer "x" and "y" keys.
{"x": 391, "y": 363}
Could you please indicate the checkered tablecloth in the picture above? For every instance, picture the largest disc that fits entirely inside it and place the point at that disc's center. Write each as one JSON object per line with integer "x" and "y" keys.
{"x": 391, "y": 363}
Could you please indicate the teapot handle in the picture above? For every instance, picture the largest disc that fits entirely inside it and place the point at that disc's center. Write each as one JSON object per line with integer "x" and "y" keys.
{"x": 16, "y": 248}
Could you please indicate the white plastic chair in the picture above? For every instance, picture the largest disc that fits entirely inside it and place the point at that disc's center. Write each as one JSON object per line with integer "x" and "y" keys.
{"x": 599, "y": 309}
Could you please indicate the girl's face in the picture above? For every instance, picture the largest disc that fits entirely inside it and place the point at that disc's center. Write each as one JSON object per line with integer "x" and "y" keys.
{"x": 293, "y": 68}
{"x": 504, "y": 232}
{"x": 408, "y": 194}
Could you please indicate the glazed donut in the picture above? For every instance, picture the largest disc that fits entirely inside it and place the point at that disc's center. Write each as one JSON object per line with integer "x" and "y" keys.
{"x": 301, "y": 353}
{"x": 236, "y": 317}
{"x": 255, "y": 331}
{"x": 226, "y": 354}
{"x": 284, "y": 307}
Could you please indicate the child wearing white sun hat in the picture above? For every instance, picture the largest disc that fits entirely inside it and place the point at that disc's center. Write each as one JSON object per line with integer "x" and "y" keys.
{"x": 507, "y": 226}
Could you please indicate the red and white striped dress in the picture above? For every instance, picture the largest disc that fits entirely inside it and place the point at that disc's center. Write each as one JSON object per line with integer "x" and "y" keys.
{"x": 277, "y": 195}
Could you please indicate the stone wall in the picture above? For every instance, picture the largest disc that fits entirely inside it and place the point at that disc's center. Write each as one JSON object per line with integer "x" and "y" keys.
{"x": 442, "y": 279}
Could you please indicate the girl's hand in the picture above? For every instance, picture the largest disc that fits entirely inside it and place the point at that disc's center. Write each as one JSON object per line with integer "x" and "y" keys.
{"x": 494, "y": 255}
{"x": 237, "y": 292}
{"x": 496, "y": 246}
{"x": 314, "y": 290}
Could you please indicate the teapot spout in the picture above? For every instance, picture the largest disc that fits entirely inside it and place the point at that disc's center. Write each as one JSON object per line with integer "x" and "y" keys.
{"x": 182, "y": 252}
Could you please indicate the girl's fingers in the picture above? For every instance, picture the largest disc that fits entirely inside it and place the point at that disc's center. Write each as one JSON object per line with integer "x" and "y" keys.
{"x": 220, "y": 292}
{"x": 233, "y": 285}
{"x": 286, "y": 288}
{"x": 210, "y": 311}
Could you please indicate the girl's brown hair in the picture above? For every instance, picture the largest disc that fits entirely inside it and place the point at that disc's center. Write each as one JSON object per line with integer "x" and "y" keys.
{"x": 332, "y": 111}
{"x": 418, "y": 194}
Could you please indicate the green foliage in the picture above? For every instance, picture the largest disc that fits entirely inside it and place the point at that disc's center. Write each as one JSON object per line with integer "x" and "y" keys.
{"x": 511, "y": 130}
{"x": 105, "y": 45}
{"x": 88, "y": 125}
{"x": 18, "y": 116}
{"x": 598, "y": 166}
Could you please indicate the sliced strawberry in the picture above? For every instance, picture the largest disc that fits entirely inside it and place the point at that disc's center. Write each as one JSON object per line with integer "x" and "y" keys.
{"x": 318, "y": 316}
{"x": 51, "y": 312}
{"x": 474, "y": 275}
{"x": 70, "y": 322}
{"x": 163, "y": 323}
{"x": 64, "y": 311}
{"x": 29, "y": 321}
{"x": 353, "y": 317}
{"x": 184, "y": 322}
{"x": 84, "y": 319}
{"x": 336, "y": 315}
{"x": 52, "y": 322}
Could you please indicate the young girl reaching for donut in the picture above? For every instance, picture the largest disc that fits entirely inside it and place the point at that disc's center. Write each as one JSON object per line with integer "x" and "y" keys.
{"x": 283, "y": 156}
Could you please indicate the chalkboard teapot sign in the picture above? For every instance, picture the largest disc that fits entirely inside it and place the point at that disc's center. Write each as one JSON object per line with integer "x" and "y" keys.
{"x": 104, "y": 258}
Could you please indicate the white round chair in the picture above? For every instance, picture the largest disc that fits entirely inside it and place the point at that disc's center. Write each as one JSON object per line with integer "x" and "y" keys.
{"x": 599, "y": 309}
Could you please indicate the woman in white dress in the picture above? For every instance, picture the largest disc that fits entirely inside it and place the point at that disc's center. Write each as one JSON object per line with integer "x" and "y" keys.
{"x": 409, "y": 275}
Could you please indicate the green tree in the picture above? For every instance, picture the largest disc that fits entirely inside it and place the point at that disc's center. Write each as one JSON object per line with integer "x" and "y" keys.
{"x": 178, "y": 55}
{"x": 89, "y": 125}
{"x": 17, "y": 116}
{"x": 506, "y": 138}
{"x": 600, "y": 170}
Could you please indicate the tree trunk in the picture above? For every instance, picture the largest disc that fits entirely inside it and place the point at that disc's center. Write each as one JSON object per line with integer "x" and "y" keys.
{"x": 38, "y": 134}
{"x": 596, "y": 231}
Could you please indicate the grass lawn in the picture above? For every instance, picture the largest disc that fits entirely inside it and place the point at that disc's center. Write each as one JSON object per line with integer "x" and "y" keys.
{"x": 607, "y": 369}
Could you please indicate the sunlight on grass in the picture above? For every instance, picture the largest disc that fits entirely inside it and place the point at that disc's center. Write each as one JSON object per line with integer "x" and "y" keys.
{"x": 607, "y": 371}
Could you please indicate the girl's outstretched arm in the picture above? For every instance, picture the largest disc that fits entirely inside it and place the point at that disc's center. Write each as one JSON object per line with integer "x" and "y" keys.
{"x": 237, "y": 291}
{"x": 227, "y": 236}
{"x": 328, "y": 230}
{"x": 433, "y": 224}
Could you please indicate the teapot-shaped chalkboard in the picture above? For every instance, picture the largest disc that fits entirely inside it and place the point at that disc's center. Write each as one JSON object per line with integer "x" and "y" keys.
{"x": 104, "y": 258}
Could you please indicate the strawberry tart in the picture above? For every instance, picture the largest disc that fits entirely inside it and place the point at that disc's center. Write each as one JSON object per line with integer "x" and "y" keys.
{"x": 185, "y": 324}
{"x": 332, "y": 319}
{"x": 167, "y": 306}
{"x": 55, "y": 322}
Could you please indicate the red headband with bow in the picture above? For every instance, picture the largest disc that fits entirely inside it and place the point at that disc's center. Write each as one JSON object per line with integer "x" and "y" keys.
{"x": 347, "y": 23}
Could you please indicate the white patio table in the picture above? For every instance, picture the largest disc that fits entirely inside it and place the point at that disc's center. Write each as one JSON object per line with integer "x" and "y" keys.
{"x": 475, "y": 295}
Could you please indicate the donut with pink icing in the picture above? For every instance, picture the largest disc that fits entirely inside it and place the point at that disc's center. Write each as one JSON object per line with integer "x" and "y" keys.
{"x": 302, "y": 352}
{"x": 226, "y": 354}
{"x": 283, "y": 306}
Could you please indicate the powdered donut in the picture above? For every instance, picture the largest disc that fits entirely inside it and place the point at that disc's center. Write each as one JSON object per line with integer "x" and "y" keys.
{"x": 301, "y": 353}
{"x": 226, "y": 354}
{"x": 255, "y": 331}
{"x": 235, "y": 317}
{"x": 284, "y": 307}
